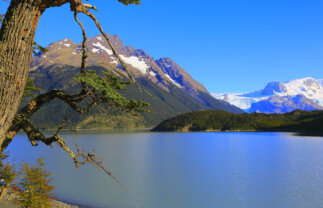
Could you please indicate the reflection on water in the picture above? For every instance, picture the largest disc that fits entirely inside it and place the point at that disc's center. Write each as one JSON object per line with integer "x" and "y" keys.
{"x": 177, "y": 170}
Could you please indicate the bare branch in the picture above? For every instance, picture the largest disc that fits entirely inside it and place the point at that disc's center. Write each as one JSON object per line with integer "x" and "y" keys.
{"x": 93, "y": 160}
{"x": 35, "y": 104}
{"x": 115, "y": 53}
{"x": 35, "y": 135}
{"x": 84, "y": 53}
{"x": 88, "y": 94}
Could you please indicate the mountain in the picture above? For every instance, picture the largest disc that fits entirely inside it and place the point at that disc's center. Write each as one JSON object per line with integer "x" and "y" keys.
{"x": 165, "y": 85}
{"x": 277, "y": 97}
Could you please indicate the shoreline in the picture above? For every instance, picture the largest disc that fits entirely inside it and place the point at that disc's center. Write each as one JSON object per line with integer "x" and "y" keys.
{"x": 151, "y": 130}
{"x": 298, "y": 133}
{"x": 9, "y": 198}
{"x": 93, "y": 131}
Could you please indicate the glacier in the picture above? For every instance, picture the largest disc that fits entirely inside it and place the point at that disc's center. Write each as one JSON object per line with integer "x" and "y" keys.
{"x": 282, "y": 97}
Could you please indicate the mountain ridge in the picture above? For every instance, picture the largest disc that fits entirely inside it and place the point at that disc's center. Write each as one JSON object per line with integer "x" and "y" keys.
{"x": 169, "y": 88}
{"x": 305, "y": 94}
{"x": 163, "y": 71}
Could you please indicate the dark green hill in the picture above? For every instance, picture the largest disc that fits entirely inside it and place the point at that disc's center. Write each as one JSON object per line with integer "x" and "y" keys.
{"x": 211, "y": 120}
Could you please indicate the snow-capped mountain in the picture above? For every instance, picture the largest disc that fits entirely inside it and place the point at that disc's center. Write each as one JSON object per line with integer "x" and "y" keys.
{"x": 164, "y": 72}
{"x": 277, "y": 97}
{"x": 168, "y": 88}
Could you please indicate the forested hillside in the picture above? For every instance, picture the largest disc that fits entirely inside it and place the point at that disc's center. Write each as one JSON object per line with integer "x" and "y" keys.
{"x": 210, "y": 120}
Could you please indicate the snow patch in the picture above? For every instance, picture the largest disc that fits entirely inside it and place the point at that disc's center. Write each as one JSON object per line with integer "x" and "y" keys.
{"x": 320, "y": 81}
{"x": 67, "y": 45}
{"x": 136, "y": 62}
{"x": 152, "y": 73}
{"x": 309, "y": 87}
{"x": 95, "y": 50}
{"x": 238, "y": 100}
{"x": 115, "y": 62}
{"x": 99, "y": 38}
{"x": 173, "y": 81}
{"x": 100, "y": 46}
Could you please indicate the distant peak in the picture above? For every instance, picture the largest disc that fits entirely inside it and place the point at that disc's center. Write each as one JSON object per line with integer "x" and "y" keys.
{"x": 273, "y": 87}
{"x": 62, "y": 43}
{"x": 65, "y": 41}
{"x": 166, "y": 59}
{"x": 100, "y": 36}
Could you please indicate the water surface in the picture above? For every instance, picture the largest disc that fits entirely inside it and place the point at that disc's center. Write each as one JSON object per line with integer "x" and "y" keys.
{"x": 188, "y": 170}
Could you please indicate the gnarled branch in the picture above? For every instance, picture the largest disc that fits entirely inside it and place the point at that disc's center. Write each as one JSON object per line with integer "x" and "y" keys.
{"x": 88, "y": 92}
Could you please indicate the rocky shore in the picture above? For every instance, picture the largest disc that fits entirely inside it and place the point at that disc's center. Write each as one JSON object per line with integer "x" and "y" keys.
{"x": 10, "y": 198}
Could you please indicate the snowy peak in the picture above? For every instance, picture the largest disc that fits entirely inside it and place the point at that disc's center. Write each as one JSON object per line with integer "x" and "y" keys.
{"x": 277, "y": 104}
{"x": 277, "y": 97}
{"x": 273, "y": 88}
{"x": 309, "y": 87}
{"x": 66, "y": 43}
{"x": 270, "y": 89}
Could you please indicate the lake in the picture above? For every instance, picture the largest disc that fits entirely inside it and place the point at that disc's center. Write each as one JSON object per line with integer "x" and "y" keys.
{"x": 188, "y": 170}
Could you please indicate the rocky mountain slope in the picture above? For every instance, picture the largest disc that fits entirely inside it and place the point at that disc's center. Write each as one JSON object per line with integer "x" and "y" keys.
{"x": 166, "y": 86}
{"x": 277, "y": 97}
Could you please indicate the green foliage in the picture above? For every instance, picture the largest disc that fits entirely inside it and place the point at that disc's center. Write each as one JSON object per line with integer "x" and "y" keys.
{"x": 107, "y": 91}
{"x": 8, "y": 172}
{"x": 31, "y": 183}
{"x": 127, "y": 2}
{"x": 31, "y": 90}
{"x": 224, "y": 121}
{"x": 38, "y": 49}
{"x": 33, "y": 186}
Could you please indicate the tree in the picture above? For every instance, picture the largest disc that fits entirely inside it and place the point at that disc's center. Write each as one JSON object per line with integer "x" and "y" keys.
{"x": 33, "y": 187}
{"x": 16, "y": 48}
{"x": 8, "y": 174}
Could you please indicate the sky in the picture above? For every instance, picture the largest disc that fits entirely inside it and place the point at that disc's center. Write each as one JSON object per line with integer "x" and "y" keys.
{"x": 227, "y": 45}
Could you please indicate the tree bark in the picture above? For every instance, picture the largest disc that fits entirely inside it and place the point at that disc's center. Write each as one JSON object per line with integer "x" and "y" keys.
{"x": 16, "y": 46}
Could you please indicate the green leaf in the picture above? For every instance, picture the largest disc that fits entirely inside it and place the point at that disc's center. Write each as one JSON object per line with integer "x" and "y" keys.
{"x": 127, "y": 2}
{"x": 107, "y": 91}
{"x": 31, "y": 90}
{"x": 38, "y": 49}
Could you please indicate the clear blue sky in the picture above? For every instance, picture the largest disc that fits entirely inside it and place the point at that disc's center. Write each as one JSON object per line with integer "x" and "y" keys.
{"x": 228, "y": 45}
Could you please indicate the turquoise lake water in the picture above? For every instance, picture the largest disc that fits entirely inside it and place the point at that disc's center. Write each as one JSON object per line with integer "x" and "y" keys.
{"x": 188, "y": 170}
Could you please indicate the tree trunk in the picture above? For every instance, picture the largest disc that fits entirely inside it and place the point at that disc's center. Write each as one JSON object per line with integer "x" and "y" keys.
{"x": 3, "y": 192}
{"x": 16, "y": 46}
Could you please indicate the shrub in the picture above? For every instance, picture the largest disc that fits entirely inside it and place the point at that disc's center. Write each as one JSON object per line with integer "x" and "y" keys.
{"x": 33, "y": 186}
{"x": 8, "y": 174}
